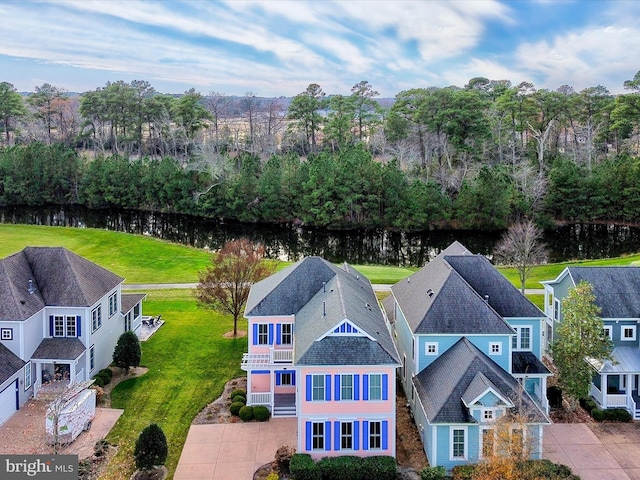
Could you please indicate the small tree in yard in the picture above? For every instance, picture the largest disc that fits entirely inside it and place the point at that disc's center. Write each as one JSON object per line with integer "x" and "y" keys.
{"x": 127, "y": 352}
{"x": 580, "y": 336}
{"x": 521, "y": 247}
{"x": 225, "y": 284}
{"x": 151, "y": 448}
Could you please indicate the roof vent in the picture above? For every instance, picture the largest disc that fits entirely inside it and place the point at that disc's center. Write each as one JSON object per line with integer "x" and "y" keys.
{"x": 430, "y": 292}
{"x": 486, "y": 298}
{"x": 324, "y": 309}
{"x": 31, "y": 289}
{"x": 324, "y": 287}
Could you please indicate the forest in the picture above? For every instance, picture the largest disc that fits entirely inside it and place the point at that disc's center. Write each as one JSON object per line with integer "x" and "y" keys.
{"x": 479, "y": 156}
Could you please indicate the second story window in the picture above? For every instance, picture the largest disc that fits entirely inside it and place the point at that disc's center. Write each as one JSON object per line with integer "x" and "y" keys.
{"x": 58, "y": 326}
{"x": 96, "y": 318}
{"x": 628, "y": 332}
{"x": 375, "y": 387}
{"x": 263, "y": 334}
{"x": 346, "y": 387}
{"x": 317, "y": 387}
{"x": 113, "y": 304}
{"x": 286, "y": 338}
{"x": 522, "y": 339}
{"x": 71, "y": 326}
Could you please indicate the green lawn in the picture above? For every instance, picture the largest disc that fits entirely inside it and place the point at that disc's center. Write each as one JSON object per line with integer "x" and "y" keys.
{"x": 189, "y": 362}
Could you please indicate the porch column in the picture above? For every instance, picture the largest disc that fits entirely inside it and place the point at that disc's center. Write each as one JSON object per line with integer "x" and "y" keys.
{"x": 72, "y": 373}
{"x": 543, "y": 388}
{"x": 272, "y": 381}
{"x": 605, "y": 390}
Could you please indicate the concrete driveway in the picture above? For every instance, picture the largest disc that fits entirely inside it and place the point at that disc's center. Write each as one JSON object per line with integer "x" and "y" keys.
{"x": 609, "y": 451}
{"x": 230, "y": 451}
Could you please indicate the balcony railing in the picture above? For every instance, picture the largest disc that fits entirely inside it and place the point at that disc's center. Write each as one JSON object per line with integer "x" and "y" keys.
{"x": 264, "y": 360}
{"x": 613, "y": 400}
{"x": 262, "y": 398}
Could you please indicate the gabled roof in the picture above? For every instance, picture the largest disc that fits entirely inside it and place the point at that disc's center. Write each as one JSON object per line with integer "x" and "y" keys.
{"x": 479, "y": 387}
{"x": 617, "y": 289}
{"x": 57, "y": 277}
{"x": 9, "y": 363}
{"x": 437, "y": 299}
{"x": 322, "y": 296}
{"x": 442, "y": 385}
{"x": 489, "y": 283}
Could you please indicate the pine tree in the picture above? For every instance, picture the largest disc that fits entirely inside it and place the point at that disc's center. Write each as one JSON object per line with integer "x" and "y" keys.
{"x": 151, "y": 448}
{"x": 127, "y": 352}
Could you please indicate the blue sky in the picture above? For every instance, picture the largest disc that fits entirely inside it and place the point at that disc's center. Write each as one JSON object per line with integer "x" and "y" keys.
{"x": 277, "y": 47}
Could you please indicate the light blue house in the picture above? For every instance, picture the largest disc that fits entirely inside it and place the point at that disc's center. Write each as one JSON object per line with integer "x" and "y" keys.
{"x": 617, "y": 292}
{"x": 470, "y": 346}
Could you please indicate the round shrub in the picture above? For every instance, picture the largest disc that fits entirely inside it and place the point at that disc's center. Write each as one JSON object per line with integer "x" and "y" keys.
{"x": 106, "y": 372}
{"x": 240, "y": 392}
{"x": 239, "y": 399}
{"x": 597, "y": 414}
{"x": 106, "y": 379}
{"x": 246, "y": 413}
{"x": 235, "y": 408}
{"x": 98, "y": 381}
{"x": 151, "y": 448}
{"x": 261, "y": 413}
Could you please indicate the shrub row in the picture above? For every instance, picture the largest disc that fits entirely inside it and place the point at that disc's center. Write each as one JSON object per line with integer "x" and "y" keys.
{"x": 526, "y": 470}
{"x": 611, "y": 415}
{"x": 103, "y": 377}
{"x": 302, "y": 467}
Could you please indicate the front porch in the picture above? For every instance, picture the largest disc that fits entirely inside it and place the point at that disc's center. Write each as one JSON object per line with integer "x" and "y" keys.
{"x": 57, "y": 364}
{"x": 273, "y": 388}
{"x": 615, "y": 384}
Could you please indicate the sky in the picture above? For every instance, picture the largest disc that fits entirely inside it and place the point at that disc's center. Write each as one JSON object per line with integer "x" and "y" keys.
{"x": 277, "y": 48}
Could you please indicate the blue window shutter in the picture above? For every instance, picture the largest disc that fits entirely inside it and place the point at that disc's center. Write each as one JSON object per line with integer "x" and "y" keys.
{"x": 277, "y": 378}
{"x": 327, "y": 387}
{"x": 356, "y": 387}
{"x": 337, "y": 383}
{"x": 293, "y": 378}
{"x": 365, "y": 435}
{"x": 365, "y": 387}
{"x": 51, "y": 325}
{"x": 307, "y": 436}
{"x": 308, "y": 388}
{"x": 278, "y": 333}
{"x": 336, "y": 435}
{"x": 327, "y": 435}
{"x": 385, "y": 386}
{"x": 255, "y": 333}
{"x": 356, "y": 435}
{"x": 385, "y": 435}
{"x": 78, "y": 326}
{"x": 271, "y": 334}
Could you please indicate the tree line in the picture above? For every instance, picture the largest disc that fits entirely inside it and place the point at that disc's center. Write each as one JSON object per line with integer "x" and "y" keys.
{"x": 480, "y": 156}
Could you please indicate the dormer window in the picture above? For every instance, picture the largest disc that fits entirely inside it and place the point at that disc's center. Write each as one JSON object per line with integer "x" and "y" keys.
{"x": 487, "y": 415}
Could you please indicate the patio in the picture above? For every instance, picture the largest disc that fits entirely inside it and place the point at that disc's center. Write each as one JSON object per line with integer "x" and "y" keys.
{"x": 148, "y": 327}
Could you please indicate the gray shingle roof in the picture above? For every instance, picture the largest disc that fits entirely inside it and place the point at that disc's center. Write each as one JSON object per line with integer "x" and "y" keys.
{"x": 59, "y": 349}
{"x": 322, "y": 296}
{"x": 505, "y": 299}
{"x": 453, "y": 372}
{"x": 129, "y": 300}
{"x": 437, "y": 299}
{"x": 9, "y": 363}
{"x": 617, "y": 289}
{"x": 59, "y": 278}
{"x": 527, "y": 362}
{"x": 477, "y": 387}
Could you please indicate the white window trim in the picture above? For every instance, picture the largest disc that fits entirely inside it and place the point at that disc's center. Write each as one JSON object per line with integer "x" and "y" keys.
{"x": 27, "y": 376}
{"x": 56, "y": 319}
{"x": 556, "y": 313}
{"x": 7, "y": 333}
{"x": 290, "y": 334}
{"x": 627, "y": 339}
{"x": 495, "y": 344}
{"x": 265, "y": 334}
{"x": 353, "y": 386}
{"x": 466, "y": 443}
{"x": 370, "y": 386}
{"x": 609, "y": 330}
{"x": 346, "y": 449}
{"x": 74, "y": 326}
{"x": 289, "y": 375}
{"x": 92, "y": 358}
{"x": 484, "y": 412}
{"x": 314, "y": 436}
{"x": 431, "y": 344}
{"x": 324, "y": 388}
{"x": 113, "y": 304}
{"x": 370, "y": 436}
{"x": 518, "y": 347}
{"x": 97, "y": 312}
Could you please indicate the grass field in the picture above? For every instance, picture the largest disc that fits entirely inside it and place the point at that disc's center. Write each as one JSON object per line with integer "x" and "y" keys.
{"x": 189, "y": 362}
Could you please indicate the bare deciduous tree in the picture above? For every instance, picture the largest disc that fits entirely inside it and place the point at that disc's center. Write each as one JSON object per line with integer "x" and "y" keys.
{"x": 225, "y": 284}
{"x": 522, "y": 248}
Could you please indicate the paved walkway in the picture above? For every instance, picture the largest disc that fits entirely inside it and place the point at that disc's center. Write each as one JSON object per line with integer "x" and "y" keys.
{"x": 595, "y": 451}
{"x": 233, "y": 451}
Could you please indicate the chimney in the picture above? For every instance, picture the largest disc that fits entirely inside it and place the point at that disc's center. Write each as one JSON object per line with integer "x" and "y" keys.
{"x": 31, "y": 289}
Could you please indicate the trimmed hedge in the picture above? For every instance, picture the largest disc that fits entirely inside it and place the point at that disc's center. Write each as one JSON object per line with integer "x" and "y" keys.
{"x": 106, "y": 371}
{"x": 588, "y": 404}
{"x": 235, "y": 408}
{"x": 302, "y": 467}
{"x": 240, "y": 392}
{"x": 611, "y": 415}
{"x": 239, "y": 399}
{"x": 98, "y": 381}
{"x": 347, "y": 467}
{"x": 261, "y": 413}
{"x": 246, "y": 413}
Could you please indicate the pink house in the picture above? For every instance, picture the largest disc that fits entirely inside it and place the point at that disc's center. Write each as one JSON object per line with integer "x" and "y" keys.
{"x": 320, "y": 350}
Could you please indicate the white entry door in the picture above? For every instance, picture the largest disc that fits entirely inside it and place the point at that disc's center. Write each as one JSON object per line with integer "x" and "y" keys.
{"x": 8, "y": 401}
